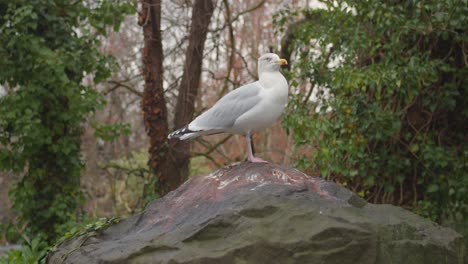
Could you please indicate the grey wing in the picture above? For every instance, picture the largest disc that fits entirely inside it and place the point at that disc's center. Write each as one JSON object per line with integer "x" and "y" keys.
{"x": 224, "y": 113}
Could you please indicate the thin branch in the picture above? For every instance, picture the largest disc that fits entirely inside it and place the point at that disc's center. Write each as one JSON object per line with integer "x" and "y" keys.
{"x": 218, "y": 144}
{"x": 207, "y": 145}
{"x": 246, "y": 64}
{"x": 260, "y": 4}
{"x": 233, "y": 48}
{"x": 197, "y": 154}
{"x": 137, "y": 171}
{"x": 118, "y": 84}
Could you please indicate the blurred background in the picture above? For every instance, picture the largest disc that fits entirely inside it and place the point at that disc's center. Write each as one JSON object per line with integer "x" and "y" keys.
{"x": 90, "y": 89}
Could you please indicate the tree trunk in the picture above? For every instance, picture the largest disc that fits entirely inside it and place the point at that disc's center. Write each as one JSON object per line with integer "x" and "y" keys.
{"x": 170, "y": 163}
{"x": 153, "y": 103}
{"x": 180, "y": 152}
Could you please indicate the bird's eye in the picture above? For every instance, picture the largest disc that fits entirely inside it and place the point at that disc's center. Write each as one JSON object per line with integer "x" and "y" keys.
{"x": 268, "y": 59}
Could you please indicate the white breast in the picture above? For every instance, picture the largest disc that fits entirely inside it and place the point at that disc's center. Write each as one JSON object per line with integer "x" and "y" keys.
{"x": 274, "y": 98}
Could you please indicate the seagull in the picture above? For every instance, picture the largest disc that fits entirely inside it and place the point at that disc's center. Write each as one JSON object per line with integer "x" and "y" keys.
{"x": 245, "y": 110}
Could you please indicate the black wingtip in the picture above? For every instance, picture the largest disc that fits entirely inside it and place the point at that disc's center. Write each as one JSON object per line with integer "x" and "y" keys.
{"x": 180, "y": 132}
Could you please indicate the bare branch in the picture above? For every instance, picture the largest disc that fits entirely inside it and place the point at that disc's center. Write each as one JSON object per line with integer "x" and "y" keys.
{"x": 205, "y": 143}
{"x": 118, "y": 84}
{"x": 255, "y": 7}
{"x": 232, "y": 43}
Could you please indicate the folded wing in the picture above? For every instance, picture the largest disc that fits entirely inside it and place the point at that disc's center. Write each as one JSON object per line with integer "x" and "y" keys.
{"x": 224, "y": 113}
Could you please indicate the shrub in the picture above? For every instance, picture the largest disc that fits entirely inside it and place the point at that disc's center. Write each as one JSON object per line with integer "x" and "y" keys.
{"x": 390, "y": 117}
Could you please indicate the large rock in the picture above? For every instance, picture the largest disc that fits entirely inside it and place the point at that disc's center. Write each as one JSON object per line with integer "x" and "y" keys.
{"x": 262, "y": 213}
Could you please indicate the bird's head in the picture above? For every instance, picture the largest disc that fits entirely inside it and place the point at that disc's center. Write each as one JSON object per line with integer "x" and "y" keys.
{"x": 270, "y": 62}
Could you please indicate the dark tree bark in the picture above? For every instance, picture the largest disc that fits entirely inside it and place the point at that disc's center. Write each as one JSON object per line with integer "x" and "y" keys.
{"x": 180, "y": 153}
{"x": 153, "y": 103}
{"x": 170, "y": 163}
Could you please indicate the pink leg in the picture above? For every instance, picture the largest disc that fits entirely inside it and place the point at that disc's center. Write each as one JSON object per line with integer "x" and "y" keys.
{"x": 250, "y": 155}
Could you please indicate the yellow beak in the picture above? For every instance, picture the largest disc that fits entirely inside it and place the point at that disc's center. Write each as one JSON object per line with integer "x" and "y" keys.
{"x": 282, "y": 62}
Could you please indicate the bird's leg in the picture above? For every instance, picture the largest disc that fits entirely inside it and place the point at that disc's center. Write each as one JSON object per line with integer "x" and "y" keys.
{"x": 250, "y": 155}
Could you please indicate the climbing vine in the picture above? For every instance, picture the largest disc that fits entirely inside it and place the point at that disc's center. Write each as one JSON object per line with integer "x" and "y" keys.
{"x": 46, "y": 49}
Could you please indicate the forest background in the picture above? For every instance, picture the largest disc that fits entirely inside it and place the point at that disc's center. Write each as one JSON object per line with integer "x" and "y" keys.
{"x": 90, "y": 89}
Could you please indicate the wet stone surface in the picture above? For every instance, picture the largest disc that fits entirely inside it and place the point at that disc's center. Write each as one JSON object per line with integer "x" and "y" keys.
{"x": 263, "y": 213}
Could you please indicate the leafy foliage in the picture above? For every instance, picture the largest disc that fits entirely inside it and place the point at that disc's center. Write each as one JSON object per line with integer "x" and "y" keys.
{"x": 112, "y": 131}
{"x": 31, "y": 252}
{"x": 36, "y": 251}
{"x": 390, "y": 118}
{"x": 132, "y": 185}
{"x": 46, "y": 49}
{"x": 88, "y": 230}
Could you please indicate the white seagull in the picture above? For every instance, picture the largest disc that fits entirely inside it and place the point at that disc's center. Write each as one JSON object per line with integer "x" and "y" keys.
{"x": 247, "y": 109}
